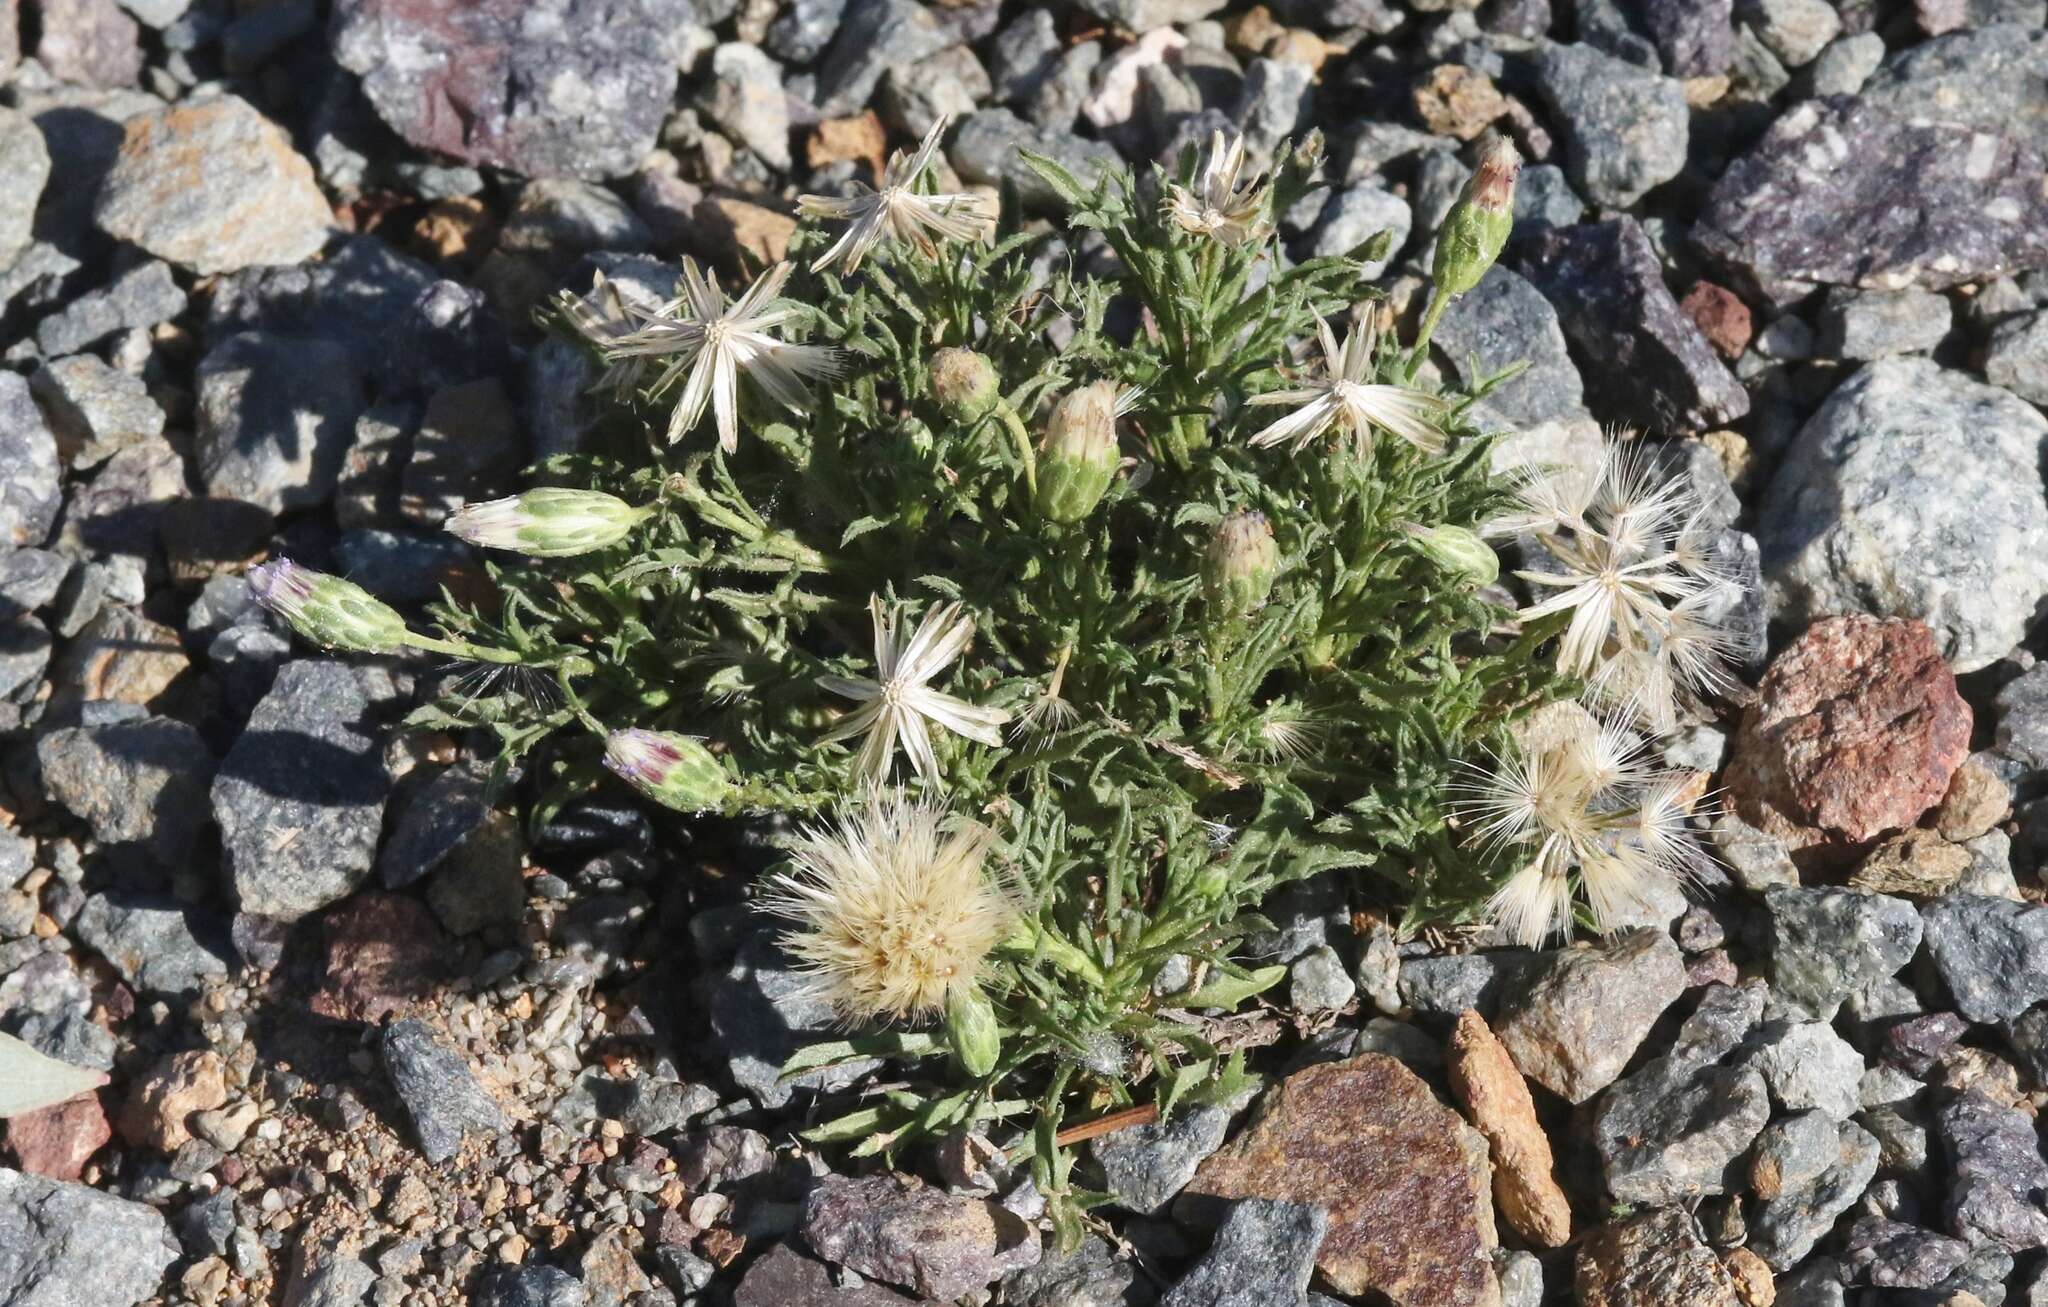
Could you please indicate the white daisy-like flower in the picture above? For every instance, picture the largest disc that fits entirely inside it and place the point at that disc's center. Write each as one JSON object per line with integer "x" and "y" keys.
{"x": 609, "y": 313}
{"x": 1634, "y": 571}
{"x": 1579, "y": 807}
{"x": 714, "y": 342}
{"x": 899, "y": 211}
{"x": 897, "y": 705}
{"x": 895, "y": 914}
{"x": 1346, "y": 397}
{"x": 1221, "y": 207}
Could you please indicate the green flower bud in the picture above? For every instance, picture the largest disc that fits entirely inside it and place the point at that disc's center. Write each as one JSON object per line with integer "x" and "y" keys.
{"x": 972, "y": 1030}
{"x": 548, "y": 522}
{"x": 1457, "y": 550}
{"x": 327, "y": 610}
{"x": 675, "y": 771}
{"x": 1238, "y": 572}
{"x": 1079, "y": 456}
{"x": 964, "y": 383}
{"x": 1478, "y": 224}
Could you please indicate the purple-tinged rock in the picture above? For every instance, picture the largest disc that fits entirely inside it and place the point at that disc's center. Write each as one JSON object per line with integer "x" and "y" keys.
{"x": 1695, "y": 37}
{"x": 1841, "y": 192}
{"x": 1999, "y": 1173}
{"x": 1656, "y": 369}
{"x": 89, "y": 42}
{"x": 898, "y": 1230}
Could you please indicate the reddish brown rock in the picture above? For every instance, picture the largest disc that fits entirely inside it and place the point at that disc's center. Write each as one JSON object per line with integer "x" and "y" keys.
{"x": 1722, "y": 318}
{"x": 385, "y": 952}
{"x": 1652, "y": 1260}
{"x": 1404, "y": 1181}
{"x": 157, "y": 1109}
{"x": 1497, "y": 1099}
{"x": 1856, "y": 731}
{"x": 58, "y": 1140}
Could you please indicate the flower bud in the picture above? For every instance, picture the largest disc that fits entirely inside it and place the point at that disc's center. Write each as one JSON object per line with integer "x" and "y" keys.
{"x": 548, "y": 522}
{"x": 1459, "y": 551}
{"x": 1079, "y": 456}
{"x": 1238, "y": 572}
{"x": 972, "y": 1030}
{"x": 327, "y": 610}
{"x": 964, "y": 383}
{"x": 674, "y": 770}
{"x": 1478, "y": 224}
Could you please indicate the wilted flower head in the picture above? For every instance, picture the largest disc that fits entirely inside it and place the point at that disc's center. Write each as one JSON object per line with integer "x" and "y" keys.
{"x": 1577, "y": 804}
{"x": 1635, "y": 572}
{"x": 1346, "y": 397}
{"x": 895, "y": 915}
{"x": 896, "y": 706}
{"x": 1220, "y": 207}
{"x": 698, "y": 333}
{"x": 610, "y": 312}
{"x": 899, "y": 211}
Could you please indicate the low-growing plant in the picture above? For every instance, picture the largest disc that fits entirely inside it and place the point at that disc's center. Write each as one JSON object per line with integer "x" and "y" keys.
{"x": 1074, "y": 610}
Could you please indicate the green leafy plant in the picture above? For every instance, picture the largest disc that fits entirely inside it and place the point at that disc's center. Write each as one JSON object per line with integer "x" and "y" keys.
{"x": 1073, "y": 611}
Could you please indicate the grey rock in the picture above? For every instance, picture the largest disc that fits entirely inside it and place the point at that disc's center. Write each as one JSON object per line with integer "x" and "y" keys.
{"x": 32, "y": 490}
{"x": 1145, "y": 1166}
{"x": 1144, "y": 15}
{"x": 1913, "y": 492}
{"x": 213, "y": 186}
{"x": 1798, "y": 1149}
{"x": 1788, "y": 337}
{"x": 1988, "y": 78}
{"x": 438, "y": 820}
{"x": 805, "y": 29}
{"x": 88, "y": 42}
{"x": 745, "y": 99}
{"x": 24, "y": 657}
{"x": 1521, "y": 1278}
{"x": 68, "y": 1245}
{"x": 1794, "y": 30}
{"x": 37, "y": 277}
{"x": 1574, "y": 1023}
{"x": 643, "y": 1104}
{"x": 875, "y": 36}
{"x": 2017, "y": 357}
{"x": 1998, "y": 1173}
{"x": 1809, "y": 1067}
{"x": 1319, "y": 982}
{"x": 897, "y": 1230}
{"x": 1274, "y": 105}
{"x": 1785, "y": 1229}
{"x": 143, "y": 782}
{"x": 1544, "y": 198}
{"x": 1502, "y": 321}
{"x": 1900, "y": 1134}
{"x": 949, "y": 85}
{"x": 276, "y": 416}
{"x": 1445, "y": 986}
{"x": 1818, "y": 1283}
{"x": 1022, "y": 56}
{"x": 1990, "y": 871}
{"x": 1675, "y": 1128}
{"x": 29, "y": 579}
{"x": 1889, "y": 1254}
{"x": 1757, "y": 860}
{"x": 2022, "y": 706}
{"x": 1057, "y": 99}
{"x": 763, "y": 1009}
{"x": 329, "y": 1278}
{"x": 1695, "y": 38}
{"x": 244, "y": 661}
{"x": 1091, "y": 1276}
{"x": 1991, "y": 953}
{"x": 157, "y": 13}
{"x": 1874, "y": 324}
{"x": 1847, "y": 63}
{"x": 401, "y": 567}
{"x": 362, "y": 296}
{"x": 151, "y": 943}
{"x": 1820, "y": 200}
{"x": 310, "y": 761}
{"x": 1828, "y": 943}
{"x": 441, "y": 1095}
{"x": 25, "y": 164}
{"x": 1656, "y": 368}
{"x": 94, "y": 410}
{"x": 1624, "y": 127}
{"x": 529, "y": 1286}
{"x": 1263, "y": 1255}
{"x": 985, "y": 149}
{"x": 561, "y": 218}
{"x": 543, "y": 88}
{"x": 1356, "y": 214}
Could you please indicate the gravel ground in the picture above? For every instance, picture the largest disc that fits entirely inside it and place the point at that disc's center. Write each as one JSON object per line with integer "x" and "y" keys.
{"x": 267, "y": 277}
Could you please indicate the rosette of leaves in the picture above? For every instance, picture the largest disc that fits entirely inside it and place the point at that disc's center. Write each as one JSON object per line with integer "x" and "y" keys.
{"x": 1186, "y": 738}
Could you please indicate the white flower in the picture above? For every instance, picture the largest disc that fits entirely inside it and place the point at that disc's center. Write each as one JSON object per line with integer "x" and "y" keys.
{"x": 1577, "y": 802}
{"x": 895, "y": 915}
{"x": 610, "y": 312}
{"x": 1347, "y": 397}
{"x": 714, "y": 342}
{"x": 897, "y": 704}
{"x": 1219, "y": 207}
{"x": 899, "y": 211}
{"x": 1645, "y": 596}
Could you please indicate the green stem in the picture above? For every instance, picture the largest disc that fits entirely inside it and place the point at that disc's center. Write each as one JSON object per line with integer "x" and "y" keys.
{"x": 1015, "y": 426}
{"x": 463, "y": 649}
{"x": 1438, "y": 302}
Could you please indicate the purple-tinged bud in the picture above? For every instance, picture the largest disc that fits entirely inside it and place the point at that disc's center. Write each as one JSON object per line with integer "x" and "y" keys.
{"x": 674, "y": 770}
{"x": 327, "y": 610}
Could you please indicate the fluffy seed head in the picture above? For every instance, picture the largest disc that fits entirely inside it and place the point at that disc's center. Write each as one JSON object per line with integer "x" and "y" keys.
{"x": 894, "y": 915}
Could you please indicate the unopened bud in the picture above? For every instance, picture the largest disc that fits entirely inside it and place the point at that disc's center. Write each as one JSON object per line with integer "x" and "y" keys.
{"x": 1079, "y": 455}
{"x": 548, "y": 522}
{"x": 1478, "y": 224}
{"x": 1459, "y": 551}
{"x": 675, "y": 771}
{"x": 1238, "y": 572}
{"x": 964, "y": 383}
{"x": 972, "y": 1030}
{"x": 327, "y": 610}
